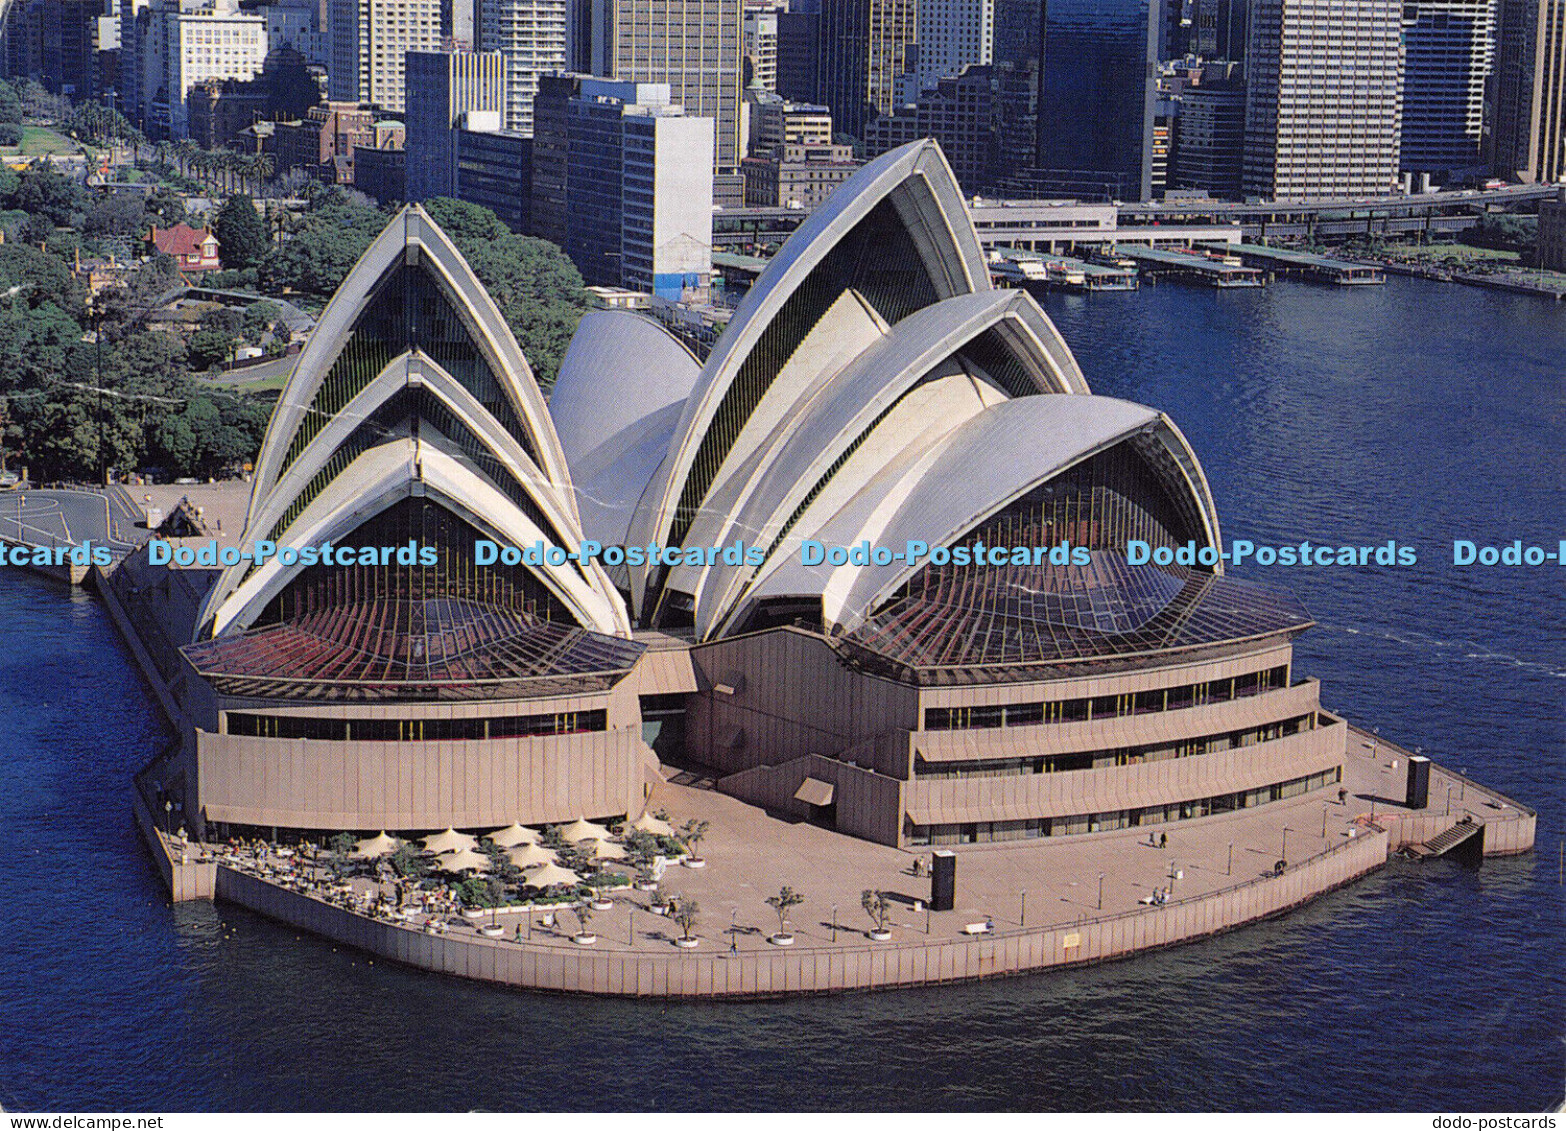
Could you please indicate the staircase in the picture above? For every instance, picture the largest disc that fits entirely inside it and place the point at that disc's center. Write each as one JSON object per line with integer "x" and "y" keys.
{"x": 1453, "y": 837}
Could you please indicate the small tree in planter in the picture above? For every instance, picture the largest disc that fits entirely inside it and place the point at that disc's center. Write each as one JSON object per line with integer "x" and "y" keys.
{"x": 786, "y": 899}
{"x": 685, "y": 912}
{"x": 691, "y": 834}
{"x": 341, "y": 846}
{"x": 878, "y": 907}
{"x": 584, "y": 916}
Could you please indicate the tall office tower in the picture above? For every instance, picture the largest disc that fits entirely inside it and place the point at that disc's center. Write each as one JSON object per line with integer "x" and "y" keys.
{"x": 531, "y": 34}
{"x": 459, "y": 21}
{"x": 297, "y": 24}
{"x": 1210, "y": 140}
{"x": 864, "y": 46}
{"x": 694, "y": 46}
{"x": 1017, "y": 27}
{"x": 369, "y": 42}
{"x": 1324, "y": 83}
{"x": 1448, "y": 49}
{"x": 443, "y": 87}
{"x": 66, "y": 38}
{"x": 622, "y": 180}
{"x": 1097, "y": 98}
{"x": 953, "y": 34}
{"x": 1528, "y": 92}
{"x": 186, "y": 42}
{"x": 962, "y": 113}
{"x": 1219, "y": 29}
{"x": 799, "y": 51}
{"x": 761, "y": 47}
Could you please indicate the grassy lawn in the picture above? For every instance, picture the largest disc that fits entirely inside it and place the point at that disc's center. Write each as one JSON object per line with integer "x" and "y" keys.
{"x": 1455, "y": 251}
{"x": 37, "y": 141}
{"x": 270, "y": 384}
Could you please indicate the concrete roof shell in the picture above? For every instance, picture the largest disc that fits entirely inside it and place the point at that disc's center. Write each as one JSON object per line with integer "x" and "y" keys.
{"x": 920, "y": 184}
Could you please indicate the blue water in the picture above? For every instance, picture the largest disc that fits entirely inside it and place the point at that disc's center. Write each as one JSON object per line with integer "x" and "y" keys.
{"x": 1414, "y": 411}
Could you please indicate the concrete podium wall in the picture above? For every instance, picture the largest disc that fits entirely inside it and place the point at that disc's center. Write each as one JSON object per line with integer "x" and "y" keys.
{"x": 909, "y": 961}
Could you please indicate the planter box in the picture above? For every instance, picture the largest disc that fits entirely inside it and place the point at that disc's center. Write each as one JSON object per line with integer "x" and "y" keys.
{"x": 687, "y": 944}
{"x": 781, "y": 940}
{"x": 584, "y": 940}
{"x": 693, "y": 862}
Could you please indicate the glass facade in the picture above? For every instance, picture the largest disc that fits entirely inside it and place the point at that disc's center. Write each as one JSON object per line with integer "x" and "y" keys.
{"x": 982, "y": 832}
{"x": 1097, "y": 94}
{"x": 415, "y": 730}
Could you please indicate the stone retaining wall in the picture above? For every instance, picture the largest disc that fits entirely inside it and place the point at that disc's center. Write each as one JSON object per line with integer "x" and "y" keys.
{"x": 773, "y": 971}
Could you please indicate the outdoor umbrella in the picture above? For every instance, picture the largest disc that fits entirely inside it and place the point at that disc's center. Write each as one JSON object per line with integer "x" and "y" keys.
{"x": 464, "y": 860}
{"x": 582, "y": 829}
{"x": 551, "y": 875}
{"x": 449, "y": 841}
{"x": 531, "y": 855}
{"x": 376, "y": 846}
{"x": 647, "y": 823}
{"x": 513, "y": 835}
{"x": 604, "y": 850}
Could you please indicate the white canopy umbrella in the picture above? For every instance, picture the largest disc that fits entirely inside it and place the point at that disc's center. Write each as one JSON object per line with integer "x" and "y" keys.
{"x": 582, "y": 829}
{"x": 551, "y": 875}
{"x": 647, "y": 823}
{"x": 531, "y": 855}
{"x": 376, "y": 846}
{"x": 464, "y": 860}
{"x": 604, "y": 850}
{"x": 449, "y": 841}
{"x": 513, "y": 835}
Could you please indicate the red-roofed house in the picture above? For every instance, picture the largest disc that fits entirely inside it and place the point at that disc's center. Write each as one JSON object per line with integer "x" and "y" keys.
{"x": 193, "y": 249}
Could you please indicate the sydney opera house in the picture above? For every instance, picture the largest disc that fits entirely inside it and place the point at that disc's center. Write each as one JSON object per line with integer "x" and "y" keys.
{"x": 872, "y": 389}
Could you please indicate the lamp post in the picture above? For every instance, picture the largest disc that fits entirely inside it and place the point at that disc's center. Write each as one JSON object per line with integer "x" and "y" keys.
{"x": 1448, "y": 801}
{"x": 834, "y": 922}
{"x": 1023, "y": 920}
{"x": 1286, "y": 832}
{"x": 1229, "y": 867}
{"x": 1101, "y": 891}
{"x": 1323, "y": 821}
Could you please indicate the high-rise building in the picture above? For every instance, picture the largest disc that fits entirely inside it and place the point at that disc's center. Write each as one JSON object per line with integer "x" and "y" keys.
{"x": 182, "y": 43}
{"x": 695, "y": 47}
{"x": 799, "y": 54}
{"x": 761, "y": 48}
{"x": 67, "y": 40}
{"x": 1097, "y": 98}
{"x": 953, "y": 34}
{"x": 622, "y": 181}
{"x": 495, "y": 170}
{"x": 775, "y": 121}
{"x": 963, "y": 114}
{"x": 1448, "y": 49}
{"x": 531, "y": 34}
{"x": 1210, "y": 140}
{"x": 1324, "y": 82}
{"x": 369, "y": 42}
{"x": 1528, "y": 92}
{"x": 296, "y": 24}
{"x": 864, "y": 48}
{"x": 1218, "y": 30}
{"x": 443, "y": 86}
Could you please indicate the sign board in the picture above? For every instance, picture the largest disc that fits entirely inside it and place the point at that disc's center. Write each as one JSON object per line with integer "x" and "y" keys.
{"x": 1071, "y": 940}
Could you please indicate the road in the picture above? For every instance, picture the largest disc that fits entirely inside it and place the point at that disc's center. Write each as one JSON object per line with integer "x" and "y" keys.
{"x": 55, "y": 517}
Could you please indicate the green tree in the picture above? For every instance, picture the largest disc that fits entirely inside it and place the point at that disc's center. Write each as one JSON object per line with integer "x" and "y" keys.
{"x": 258, "y": 318}
{"x": 211, "y": 347}
{"x": 326, "y": 244}
{"x": 242, "y": 234}
{"x": 44, "y": 191}
{"x": 786, "y": 898}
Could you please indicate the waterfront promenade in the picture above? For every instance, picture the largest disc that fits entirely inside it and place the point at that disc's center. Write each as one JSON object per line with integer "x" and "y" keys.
{"x": 1045, "y": 903}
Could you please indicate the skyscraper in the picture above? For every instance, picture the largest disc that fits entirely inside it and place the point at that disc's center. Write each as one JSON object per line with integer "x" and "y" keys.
{"x": 369, "y": 40}
{"x": 694, "y": 46}
{"x": 1448, "y": 48}
{"x": 1528, "y": 138}
{"x": 1097, "y": 97}
{"x": 864, "y": 46}
{"x": 443, "y": 86}
{"x": 1324, "y": 82}
{"x": 953, "y": 34}
{"x": 622, "y": 180}
{"x": 531, "y": 34}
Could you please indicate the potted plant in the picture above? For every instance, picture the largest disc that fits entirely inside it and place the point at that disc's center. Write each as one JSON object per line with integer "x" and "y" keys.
{"x": 786, "y": 898}
{"x": 584, "y": 917}
{"x": 645, "y": 880}
{"x": 494, "y": 892}
{"x": 659, "y": 904}
{"x": 685, "y": 912}
{"x": 691, "y": 833}
{"x": 878, "y": 907}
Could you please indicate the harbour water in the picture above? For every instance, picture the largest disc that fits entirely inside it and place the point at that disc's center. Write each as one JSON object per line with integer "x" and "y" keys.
{"x": 1414, "y": 411}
